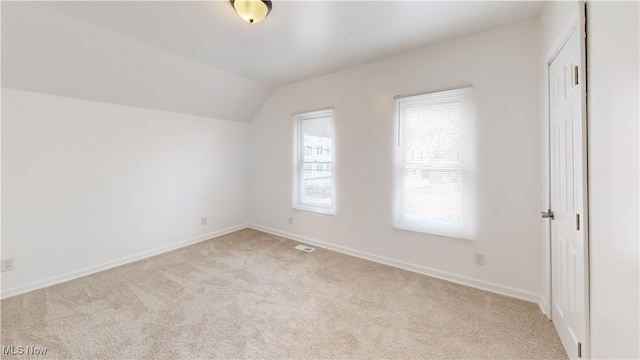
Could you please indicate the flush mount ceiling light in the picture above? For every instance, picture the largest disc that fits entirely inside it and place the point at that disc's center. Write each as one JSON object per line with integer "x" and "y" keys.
{"x": 252, "y": 11}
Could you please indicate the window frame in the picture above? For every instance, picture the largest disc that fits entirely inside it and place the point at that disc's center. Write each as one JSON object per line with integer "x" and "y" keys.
{"x": 464, "y": 170}
{"x": 299, "y": 163}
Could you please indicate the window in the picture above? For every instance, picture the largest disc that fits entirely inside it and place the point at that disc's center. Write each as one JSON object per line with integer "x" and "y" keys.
{"x": 437, "y": 195}
{"x": 314, "y": 186}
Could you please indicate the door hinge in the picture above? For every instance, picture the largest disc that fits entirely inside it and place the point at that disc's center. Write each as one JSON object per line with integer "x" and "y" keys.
{"x": 579, "y": 349}
{"x": 577, "y": 221}
{"x": 575, "y": 75}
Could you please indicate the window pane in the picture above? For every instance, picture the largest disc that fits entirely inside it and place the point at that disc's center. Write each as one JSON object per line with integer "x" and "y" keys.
{"x": 316, "y": 184}
{"x": 433, "y": 196}
{"x": 316, "y": 139}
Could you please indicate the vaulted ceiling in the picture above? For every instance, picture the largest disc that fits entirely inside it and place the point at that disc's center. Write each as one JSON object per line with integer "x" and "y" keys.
{"x": 199, "y": 57}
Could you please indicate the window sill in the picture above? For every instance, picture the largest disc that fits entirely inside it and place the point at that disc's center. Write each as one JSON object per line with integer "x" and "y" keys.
{"x": 314, "y": 210}
{"x": 433, "y": 233}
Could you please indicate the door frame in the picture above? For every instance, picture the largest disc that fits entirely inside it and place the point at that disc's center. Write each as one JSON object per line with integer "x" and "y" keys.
{"x": 577, "y": 22}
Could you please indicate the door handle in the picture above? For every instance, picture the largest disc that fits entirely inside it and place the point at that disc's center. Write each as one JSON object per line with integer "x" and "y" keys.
{"x": 548, "y": 214}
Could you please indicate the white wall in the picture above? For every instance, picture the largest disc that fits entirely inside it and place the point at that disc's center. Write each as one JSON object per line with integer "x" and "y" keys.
{"x": 502, "y": 66}
{"x": 87, "y": 185}
{"x": 614, "y": 58}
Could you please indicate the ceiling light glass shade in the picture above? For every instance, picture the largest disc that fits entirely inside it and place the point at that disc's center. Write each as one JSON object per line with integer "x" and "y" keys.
{"x": 252, "y": 11}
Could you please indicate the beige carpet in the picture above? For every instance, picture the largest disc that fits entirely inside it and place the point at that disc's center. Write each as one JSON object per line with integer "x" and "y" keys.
{"x": 252, "y": 295}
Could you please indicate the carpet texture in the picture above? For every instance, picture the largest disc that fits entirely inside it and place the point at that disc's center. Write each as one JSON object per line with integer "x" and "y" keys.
{"x": 252, "y": 295}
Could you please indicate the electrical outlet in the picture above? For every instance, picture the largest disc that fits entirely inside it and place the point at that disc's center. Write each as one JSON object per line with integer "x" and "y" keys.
{"x": 203, "y": 221}
{"x": 479, "y": 259}
{"x": 290, "y": 221}
{"x": 7, "y": 264}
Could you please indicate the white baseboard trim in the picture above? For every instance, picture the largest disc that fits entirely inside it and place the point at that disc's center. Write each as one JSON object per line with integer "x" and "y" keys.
{"x": 544, "y": 304}
{"x": 443, "y": 275}
{"x": 114, "y": 263}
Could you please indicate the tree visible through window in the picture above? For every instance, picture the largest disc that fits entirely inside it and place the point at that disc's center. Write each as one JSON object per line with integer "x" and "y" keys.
{"x": 314, "y": 159}
{"x": 434, "y": 190}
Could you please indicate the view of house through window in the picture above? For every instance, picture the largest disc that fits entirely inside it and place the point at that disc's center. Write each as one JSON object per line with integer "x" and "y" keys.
{"x": 434, "y": 180}
{"x": 314, "y": 142}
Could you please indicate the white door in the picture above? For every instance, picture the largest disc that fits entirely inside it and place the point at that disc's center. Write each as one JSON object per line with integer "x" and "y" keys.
{"x": 569, "y": 274}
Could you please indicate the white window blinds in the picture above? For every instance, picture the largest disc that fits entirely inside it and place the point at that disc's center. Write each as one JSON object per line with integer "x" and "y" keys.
{"x": 435, "y": 164}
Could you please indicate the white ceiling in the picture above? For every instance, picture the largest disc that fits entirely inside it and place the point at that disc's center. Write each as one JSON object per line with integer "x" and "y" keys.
{"x": 299, "y": 39}
{"x": 200, "y": 58}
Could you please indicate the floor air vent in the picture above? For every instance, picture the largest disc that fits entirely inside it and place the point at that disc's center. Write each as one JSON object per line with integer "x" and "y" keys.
{"x": 304, "y": 248}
